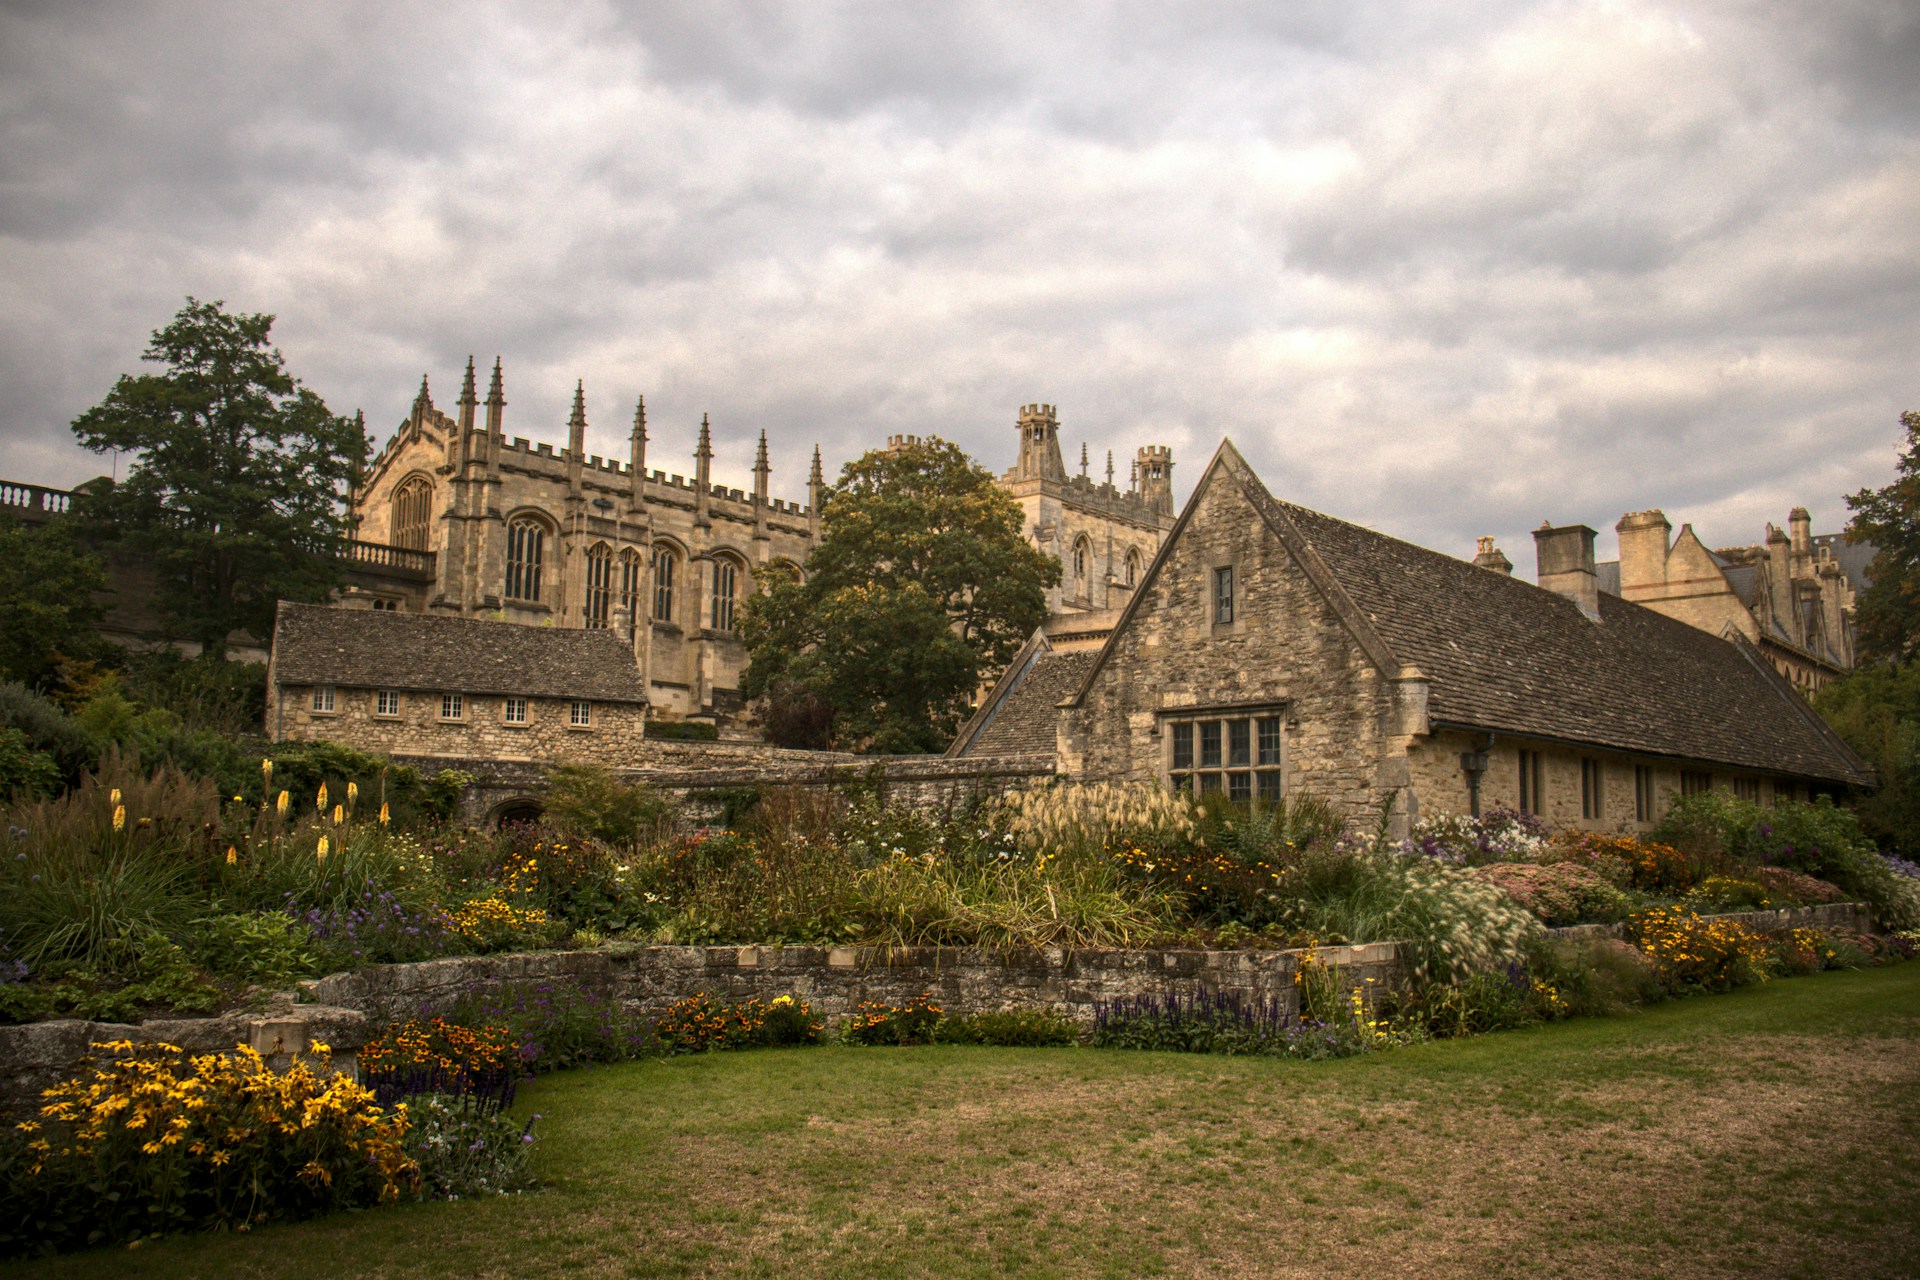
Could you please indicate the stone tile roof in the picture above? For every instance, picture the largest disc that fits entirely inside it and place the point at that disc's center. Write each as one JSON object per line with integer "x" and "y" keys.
{"x": 1511, "y": 657}
{"x": 372, "y": 649}
{"x": 1022, "y": 718}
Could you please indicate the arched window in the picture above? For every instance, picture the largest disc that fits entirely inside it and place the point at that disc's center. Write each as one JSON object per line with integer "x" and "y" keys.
{"x": 664, "y": 562}
{"x": 726, "y": 587}
{"x": 630, "y": 584}
{"x": 412, "y": 513}
{"x": 599, "y": 585}
{"x": 1133, "y": 567}
{"x": 1082, "y": 553}
{"x": 526, "y": 548}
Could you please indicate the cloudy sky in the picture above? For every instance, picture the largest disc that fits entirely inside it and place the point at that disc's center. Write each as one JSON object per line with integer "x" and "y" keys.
{"x": 1441, "y": 269}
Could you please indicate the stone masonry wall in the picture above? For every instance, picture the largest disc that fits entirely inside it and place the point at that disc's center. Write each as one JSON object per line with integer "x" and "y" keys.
{"x": 480, "y": 733}
{"x": 1285, "y": 644}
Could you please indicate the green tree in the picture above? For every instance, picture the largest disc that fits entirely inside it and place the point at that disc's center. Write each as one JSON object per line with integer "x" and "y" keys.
{"x": 234, "y": 494}
{"x": 1877, "y": 710}
{"x": 921, "y": 585}
{"x": 48, "y": 584}
{"x": 1889, "y": 518}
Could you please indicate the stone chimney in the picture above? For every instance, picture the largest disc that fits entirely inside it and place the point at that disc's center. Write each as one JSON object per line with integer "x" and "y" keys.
{"x": 1491, "y": 557}
{"x": 1566, "y": 565}
{"x": 1800, "y": 526}
{"x": 1645, "y": 539}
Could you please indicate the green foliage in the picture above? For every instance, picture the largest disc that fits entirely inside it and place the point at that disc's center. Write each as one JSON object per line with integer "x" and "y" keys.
{"x": 1889, "y": 518}
{"x": 1478, "y": 1003}
{"x": 1876, "y": 708}
{"x": 878, "y": 1022}
{"x": 302, "y": 768}
{"x": 921, "y": 585}
{"x": 1012, "y": 1028}
{"x": 266, "y": 948}
{"x": 465, "y": 1149}
{"x": 682, "y": 731}
{"x": 49, "y": 729}
{"x": 206, "y": 692}
{"x": 234, "y": 493}
{"x": 587, "y": 802}
{"x": 24, "y": 771}
{"x": 47, "y": 608}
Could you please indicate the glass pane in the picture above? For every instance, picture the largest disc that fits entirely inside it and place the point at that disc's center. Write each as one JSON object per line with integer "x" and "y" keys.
{"x": 1183, "y": 746}
{"x": 1210, "y": 744}
{"x": 1239, "y": 742}
{"x": 1270, "y": 786}
{"x": 1209, "y": 783}
{"x": 1240, "y": 786}
{"x": 1270, "y": 740}
{"x": 1183, "y": 782}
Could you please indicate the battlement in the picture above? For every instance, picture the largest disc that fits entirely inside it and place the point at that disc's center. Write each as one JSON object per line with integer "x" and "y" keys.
{"x": 1155, "y": 453}
{"x": 903, "y": 442}
{"x": 1044, "y": 412}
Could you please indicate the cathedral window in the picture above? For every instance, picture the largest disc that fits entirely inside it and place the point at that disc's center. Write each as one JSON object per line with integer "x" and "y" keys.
{"x": 1082, "y": 553}
{"x": 323, "y": 699}
{"x": 630, "y": 584}
{"x": 726, "y": 585}
{"x": 599, "y": 585}
{"x": 526, "y": 547}
{"x": 664, "y": 562}
{"x": 1133, "y": 567}
{"x": 412, "y": 513}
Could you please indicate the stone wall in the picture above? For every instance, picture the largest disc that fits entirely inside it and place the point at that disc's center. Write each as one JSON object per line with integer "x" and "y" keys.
{"x": 481, "y": 732}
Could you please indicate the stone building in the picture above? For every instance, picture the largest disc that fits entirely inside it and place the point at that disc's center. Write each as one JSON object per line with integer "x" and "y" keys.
{"x": 413, "y": 684}
{"x": 1270, "y": 650}
{"x": 455, "y": 518}
{"x": 1791, "y": 595}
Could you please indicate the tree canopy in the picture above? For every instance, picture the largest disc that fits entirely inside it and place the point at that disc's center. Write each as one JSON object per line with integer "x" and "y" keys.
{"x": 48, "y": 589}
{"x": 921, "y": 585}
{"x": 234, "y": 492}
{"x": 1888, "y": 611}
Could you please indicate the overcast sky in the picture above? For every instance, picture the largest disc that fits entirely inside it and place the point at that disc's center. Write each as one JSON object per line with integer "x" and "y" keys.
{"x": 1441, "y": 269}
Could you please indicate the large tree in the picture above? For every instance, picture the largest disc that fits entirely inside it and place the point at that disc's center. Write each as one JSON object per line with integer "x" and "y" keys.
{"x": 234, "y": 493}
{"x": 921, "y": 585}
{"x": 1889, "y": 518}
{"x": 49, "y": 587}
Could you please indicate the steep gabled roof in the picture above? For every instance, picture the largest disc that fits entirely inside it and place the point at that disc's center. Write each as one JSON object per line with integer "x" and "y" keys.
{"x": 1506, "y": 656}
{"x": 1022, "y": 713}
{"x": 374, "y": 649}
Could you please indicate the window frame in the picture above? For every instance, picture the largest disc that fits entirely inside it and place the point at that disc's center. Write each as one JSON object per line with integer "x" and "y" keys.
{"x": 453, "y": 708}
{"x": 724, "y": 604}
{"x": 579, "y": 714}
{"x": 1533, "y": 790}
{"x": 1236, "y": 750}
{"x": 598, "y": 606}
{"x": 508, "y": 705}
{"x": 323, "y": 701}
{"x": 526, "y": 559}
{"x": 1593, "y": 789}
{"x": 664, "y": 568}
{"x": 1644, "y": 795}
{"x": 386, "y": 704}
{"x": 1224, "y": 595}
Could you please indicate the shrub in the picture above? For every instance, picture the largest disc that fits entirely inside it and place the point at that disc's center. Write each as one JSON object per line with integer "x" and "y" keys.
{"x": 1499, "y": 835}
{"x": 703, "y": 1023}
{"x": 1087, "y": 818}
{"x": 23, "y": 770}
{"x": 378, "y": 928}
{"x": 1594, "y": 977}
{"x": 47, "y": 728}
{"x": 1558, "y": 893}
{"x": 437, "y": 1055}
{"x": 1476, "y": 1004}
{"x": 1690, "y": 953}
{"x": 1796, "y": 888}
{"x": 1217, "y": 1022}
{"x": 878, "y": 1022}
{"x": 1009, "y": 1027}
{"x": 223, "y": 1144}
{"x": 1006, "y": 903}
{"x": 586, "y": 802}
{"x": 268, "y": 948}
{"x": 1647, "y": 865}
{"x": 556, "y": 1024}
{"x": 465, "y": 1150}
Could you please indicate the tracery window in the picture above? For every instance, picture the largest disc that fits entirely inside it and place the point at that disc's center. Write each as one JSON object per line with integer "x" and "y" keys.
{"x": 412, "y": 513}
{"x": 1133, "y": 567}
{"x": 630, "y": 585}
{"x": 1081, "y": 554}
{"x": 526, "y": 547}
{"x": 599, "y": 585}
{"x": 664, "y": 563}
{"x": 726, "y": 585}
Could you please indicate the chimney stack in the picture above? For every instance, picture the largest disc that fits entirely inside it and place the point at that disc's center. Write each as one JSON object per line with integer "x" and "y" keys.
{"x": 1491, "y": 557}
{"x": 1566, "y": 565}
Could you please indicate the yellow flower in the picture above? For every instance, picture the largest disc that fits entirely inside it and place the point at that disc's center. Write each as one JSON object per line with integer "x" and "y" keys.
{"x": 384, "y": 815}
{"x": 323, "y": 849}
{"x": 266, "y": 771}
{"x": 339, "y": 815}
{"x": 281, "y": 804}
{"x": 320, "y": 801}
{"x": 119, "y": 815}
{"x": 233, "y": 855}
{"x": 353, "y": 793}
{"x": 113, "y": 797}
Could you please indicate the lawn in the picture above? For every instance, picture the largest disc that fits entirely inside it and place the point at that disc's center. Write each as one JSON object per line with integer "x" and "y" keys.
{"x": 1766, "y": 1133}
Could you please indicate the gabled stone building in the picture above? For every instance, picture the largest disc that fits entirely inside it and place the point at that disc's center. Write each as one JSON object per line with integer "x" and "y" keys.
{"x": 1271, "y": 650}
{"x": 461, "y": 688}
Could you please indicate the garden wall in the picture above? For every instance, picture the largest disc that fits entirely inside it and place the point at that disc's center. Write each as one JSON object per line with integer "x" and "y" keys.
{"x": 833, "y": 979}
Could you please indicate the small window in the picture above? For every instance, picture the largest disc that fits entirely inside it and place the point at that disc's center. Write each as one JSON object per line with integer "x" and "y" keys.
{"x": 1209, "y": 744}
{"x": 1592, "y": 795}
{"x": 1783, "y": 791}
{"x": 580, "y": 715}
{"x": 514, "y": 710}
{"x": 1223, "y": 594}
{"x": 1183, "y": 745}
{"x": 1239, "y": 744}
{"x": 1695, "y": 782}
{"x": 1643, "y": 793}
{"x": 1270, "y": 741}
{"x": 386, "y": 703}
{"x": 323, "y": 698}
{"x": 452, "y": 706}
{"x": 1747, "y": 789}
{"x": 1533, "y": 797}
{"x": 1133, "y": 567}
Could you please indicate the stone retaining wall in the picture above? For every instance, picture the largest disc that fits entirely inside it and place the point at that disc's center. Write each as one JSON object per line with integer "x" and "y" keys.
{"x": 834, "y": 980}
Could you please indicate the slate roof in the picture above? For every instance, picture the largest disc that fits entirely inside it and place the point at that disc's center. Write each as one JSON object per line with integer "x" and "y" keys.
{"x": 1023, "y": 716}
{"x": 374, "y": 649}
{"x": 1507, "y": 656}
